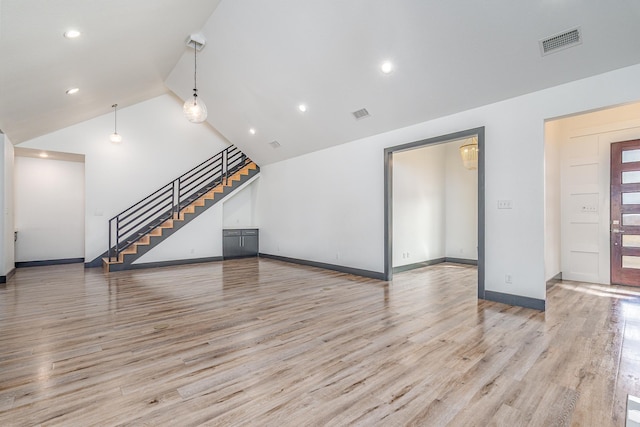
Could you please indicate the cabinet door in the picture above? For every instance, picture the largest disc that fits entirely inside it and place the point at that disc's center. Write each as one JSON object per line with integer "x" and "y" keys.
{"x": 250, "y": 242}
{"x": 231, "y": 243}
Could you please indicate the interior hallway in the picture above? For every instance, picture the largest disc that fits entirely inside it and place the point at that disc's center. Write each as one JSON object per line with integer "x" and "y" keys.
{"x": 261, "y": 342}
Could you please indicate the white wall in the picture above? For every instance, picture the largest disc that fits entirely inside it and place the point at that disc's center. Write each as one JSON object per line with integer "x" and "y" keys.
{"x": 328, "y": 206}
{"x": 7, "y": 255}
{"x": 461, "y": 198}
{"x": 159, "y": 144}
{"x": 239, "y": 207}
{"x": 552, "y": 223}
{"x": 435, "y": 205}
{"x": 49, "y": 209}
{"x": 419, "y": 206}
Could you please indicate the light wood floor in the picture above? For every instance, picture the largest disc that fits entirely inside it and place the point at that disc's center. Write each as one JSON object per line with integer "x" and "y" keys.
{"x": 265, "y": 343}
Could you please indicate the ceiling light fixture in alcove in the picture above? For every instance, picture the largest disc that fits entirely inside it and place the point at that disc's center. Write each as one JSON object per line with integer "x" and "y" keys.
{"x": 469, "y": 154}
{"x": 115, "y": 137}
{"x": 194, "y": 109}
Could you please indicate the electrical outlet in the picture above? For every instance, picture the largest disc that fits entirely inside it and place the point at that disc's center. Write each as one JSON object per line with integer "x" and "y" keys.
{"x": 507, "y": 279}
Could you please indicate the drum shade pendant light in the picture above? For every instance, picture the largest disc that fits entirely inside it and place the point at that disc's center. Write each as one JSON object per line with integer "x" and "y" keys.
{"x": 194, "y": 108}
{"x": 469, "y": 154}
{"x": 115, "y": 137}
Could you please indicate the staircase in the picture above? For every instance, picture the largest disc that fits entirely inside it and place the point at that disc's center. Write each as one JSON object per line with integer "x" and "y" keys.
{"x": 141, "y": 227}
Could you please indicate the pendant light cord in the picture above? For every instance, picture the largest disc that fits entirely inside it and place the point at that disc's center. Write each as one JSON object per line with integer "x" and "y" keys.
{"x": 115, "y": 118}
{"x": 195, "y": 69}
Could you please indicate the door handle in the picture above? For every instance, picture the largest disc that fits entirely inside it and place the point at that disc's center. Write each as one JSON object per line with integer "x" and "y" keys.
{"x": 617, "y": 230}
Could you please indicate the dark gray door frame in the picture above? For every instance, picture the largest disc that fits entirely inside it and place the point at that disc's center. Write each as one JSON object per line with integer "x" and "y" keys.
{"x": 388, "y": 196}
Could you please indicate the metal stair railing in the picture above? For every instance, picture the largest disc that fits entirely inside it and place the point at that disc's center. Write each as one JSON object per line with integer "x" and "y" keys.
{"x": 161, "y": 205}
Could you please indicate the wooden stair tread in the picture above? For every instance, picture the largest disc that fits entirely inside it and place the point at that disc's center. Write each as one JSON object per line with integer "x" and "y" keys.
{"x": 133, "y": 249}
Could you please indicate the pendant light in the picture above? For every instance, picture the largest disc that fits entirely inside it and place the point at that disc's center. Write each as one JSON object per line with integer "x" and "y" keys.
{"x": 194, "y": 109}
{"x": 469, "y": 154}
{"x": 115, "y": 137}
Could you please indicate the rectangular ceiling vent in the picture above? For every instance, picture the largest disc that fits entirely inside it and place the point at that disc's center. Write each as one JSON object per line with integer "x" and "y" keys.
{"x": 274, "y": 144}
{"x": 360, "y": 114}
{"x": 561, "y": 41}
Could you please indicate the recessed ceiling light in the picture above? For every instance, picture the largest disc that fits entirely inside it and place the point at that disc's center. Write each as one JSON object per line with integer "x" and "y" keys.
{"x": 72, "y": 34}
{"x": 252, "y": 131}
{"x": 72, "y": 90}
{"x": 43, "y": 155}
{"x": 386, "y": 67}
{"x": 302, "y": 108}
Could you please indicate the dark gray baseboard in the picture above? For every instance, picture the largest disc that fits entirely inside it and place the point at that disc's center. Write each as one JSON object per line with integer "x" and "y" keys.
{"x": 421, "y": 264}
{"x": 96, "y": 262}
{"x": 173, "y": 263}
{"x": 555, "y": 279}
{"x": 520, "y": 301}
{"x": 461, "y": 261}
{"x": 49, "y": 262}
{"x": 339, "y": 268}
{"x": 3, "y": 279}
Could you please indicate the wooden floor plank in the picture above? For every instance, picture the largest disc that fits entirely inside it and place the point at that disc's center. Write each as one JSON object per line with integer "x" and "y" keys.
{"x": 261, "y": 342}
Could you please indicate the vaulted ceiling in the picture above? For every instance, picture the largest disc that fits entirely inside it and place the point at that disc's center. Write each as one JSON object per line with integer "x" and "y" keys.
{"x": 125, "y": 52}
{"x": 264, "y": 58}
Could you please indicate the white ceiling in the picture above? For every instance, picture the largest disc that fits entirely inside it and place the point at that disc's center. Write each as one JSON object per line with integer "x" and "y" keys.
{"x": 263, "y": 58}
{"x": 126, "y": 51}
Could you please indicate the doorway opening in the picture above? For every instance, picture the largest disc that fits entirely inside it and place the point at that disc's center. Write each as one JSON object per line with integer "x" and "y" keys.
{"x": 388, "y": 197}
{"x": 49, "y": 207}
{"x": 578, "y": 221}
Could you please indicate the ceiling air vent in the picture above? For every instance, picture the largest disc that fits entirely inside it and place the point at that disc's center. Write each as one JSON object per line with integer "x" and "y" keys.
{"x": 558, "y": 42}
{"x": 274, "y": 144}
{"x": 361, "y": 114}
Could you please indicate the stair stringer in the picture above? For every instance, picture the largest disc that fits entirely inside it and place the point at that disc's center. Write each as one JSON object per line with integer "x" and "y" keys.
{"x": 128, "y": 259}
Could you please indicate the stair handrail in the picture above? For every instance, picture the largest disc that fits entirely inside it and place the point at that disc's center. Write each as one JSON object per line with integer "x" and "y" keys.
{"x": 166, "y": 202}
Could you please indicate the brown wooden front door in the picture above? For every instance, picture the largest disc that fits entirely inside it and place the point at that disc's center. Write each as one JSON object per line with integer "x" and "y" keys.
{"x": 625, "y": 213}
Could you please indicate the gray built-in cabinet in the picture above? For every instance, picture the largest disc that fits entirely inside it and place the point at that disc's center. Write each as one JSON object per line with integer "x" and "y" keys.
{"x": 238, "y": 243}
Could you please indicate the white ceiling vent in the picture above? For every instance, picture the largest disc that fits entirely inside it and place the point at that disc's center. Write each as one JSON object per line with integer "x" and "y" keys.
{"x": 561, "y": 41}
{"x": 361, "y": 114}
{"x": 274, "y": 144}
